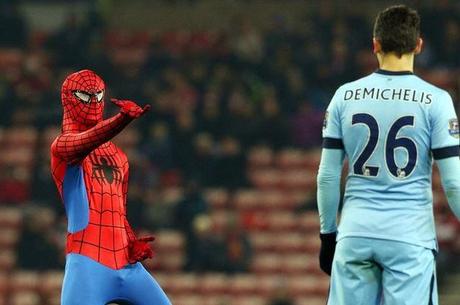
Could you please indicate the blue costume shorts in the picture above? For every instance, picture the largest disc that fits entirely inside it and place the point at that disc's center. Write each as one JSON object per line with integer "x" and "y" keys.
{"x": 90, "y": 283}
{"x": 369, "y": 271}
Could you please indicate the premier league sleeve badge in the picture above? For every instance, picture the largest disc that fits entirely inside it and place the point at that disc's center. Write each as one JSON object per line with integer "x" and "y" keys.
{"x": 454, "y": 130}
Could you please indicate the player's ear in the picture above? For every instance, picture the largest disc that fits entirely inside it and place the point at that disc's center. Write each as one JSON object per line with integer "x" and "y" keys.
{"x": 418, "y": 46}
{"x": 377, "y": 46}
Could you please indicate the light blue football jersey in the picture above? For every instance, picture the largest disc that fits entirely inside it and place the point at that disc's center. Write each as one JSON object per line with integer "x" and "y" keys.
{"x": 391, "y": 125}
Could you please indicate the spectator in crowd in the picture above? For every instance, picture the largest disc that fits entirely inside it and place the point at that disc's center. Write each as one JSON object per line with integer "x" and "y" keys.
{"x": 73, "y": 39}
{"x": 186, "y": 211}
{"x": 137, "y": 207}
{"x": 158, "y": 211}
{"x": 37, "y": 247}
{"x": 183, "y": 142}
{"x": 214, "y": 94}
{"x": 306, "y": 127}
{"x": 207, "y": 253}
{"x": 230, "y": 164}
{"x": 158, "y": 146}
{"x": 238, "y": 246}
{"x": 274, "y": 127}
{"x": 203, "y": 160}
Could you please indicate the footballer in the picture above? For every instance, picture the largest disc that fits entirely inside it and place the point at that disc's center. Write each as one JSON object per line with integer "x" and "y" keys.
{"x": 390, "y": 125}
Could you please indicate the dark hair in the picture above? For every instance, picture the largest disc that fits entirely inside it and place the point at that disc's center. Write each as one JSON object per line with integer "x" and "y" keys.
{"x": 397, "y": 28}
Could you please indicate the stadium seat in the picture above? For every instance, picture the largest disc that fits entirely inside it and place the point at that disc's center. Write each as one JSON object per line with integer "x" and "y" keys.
{"x": 8, "y": 237}
{"x": 302, "y": 285}
{"x": 246, "y": 199}
{"x": 213, "y": 283}
{"x": 54, "y": 299}
{"x": 169, "y": 241}
{"x": 292, "y": 242}
{"x": 25, "y": 298}
{"x": 267, "y": 264}
{"x": 312, "y": 159}
{"x": 49, "y": 134}
{"x": 10, "y": 218}
{"x": 24, "y": 281}
{"x": 166, "y": 261}
{"x": 310, "y": 300}
{"x": 266, "y": 179}
{"x": 297, "y": 263}
{"x": 20, "y": 137}
{"x": 280, "y": 221}
{"x": 216, "y": 197}
{"x": 172, "y": 194}
{"x": 308, "y": 221}
{"x": 263, "y": 241}
{"x": 51, "y": 283}
{"x": 4, "y": 283}
{"x": 7, "y": 260}
{"x": 248, "y": 300}
{"x": 17, "y": 156}
{"x": 11, "y": 59}
{"x": 182, "y": 283}
{"x": 298, "y": 180}
{"x": 273, "y": 200}
{"x": 243, "y": 284}
{"x": 291, "y": 159}
{"x": 292, "y": 199}
{"x": 313, "y": 242}
{"x": 219, "y": 219}
{"x": 128, "y": 56}
{"x": 186, "y": 299}
{"x": 268, "y": 283}
{"x": 260, "y": 157}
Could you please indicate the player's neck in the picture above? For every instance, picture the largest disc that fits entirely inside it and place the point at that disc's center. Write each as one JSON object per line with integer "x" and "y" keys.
{"x": 391, "y": 62}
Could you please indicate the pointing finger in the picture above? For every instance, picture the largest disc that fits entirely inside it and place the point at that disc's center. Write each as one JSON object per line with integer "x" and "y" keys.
{"x": 116, "y": 102}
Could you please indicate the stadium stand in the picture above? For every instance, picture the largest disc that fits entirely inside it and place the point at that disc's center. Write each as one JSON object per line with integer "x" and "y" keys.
{"x": 239, "y": 111}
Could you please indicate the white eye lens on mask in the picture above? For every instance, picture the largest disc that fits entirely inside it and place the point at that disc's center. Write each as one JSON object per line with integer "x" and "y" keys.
{"x": 83, "y": 96}
{"x": 100, "y": 96}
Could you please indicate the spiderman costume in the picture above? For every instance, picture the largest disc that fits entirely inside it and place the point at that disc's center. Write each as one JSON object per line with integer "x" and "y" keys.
{"x": 91, "y": 174}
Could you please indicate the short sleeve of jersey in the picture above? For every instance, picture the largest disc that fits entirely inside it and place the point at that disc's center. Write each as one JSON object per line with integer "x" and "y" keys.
{"x": 445, "y": 135}
{"x": 332, "y": 129}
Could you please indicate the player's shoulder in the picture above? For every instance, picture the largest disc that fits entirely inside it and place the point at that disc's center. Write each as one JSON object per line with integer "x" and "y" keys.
{"x": 440, "y": 94}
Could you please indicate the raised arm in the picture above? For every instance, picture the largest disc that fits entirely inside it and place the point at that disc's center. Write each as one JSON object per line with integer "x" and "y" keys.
{"x": 74, "y": 147}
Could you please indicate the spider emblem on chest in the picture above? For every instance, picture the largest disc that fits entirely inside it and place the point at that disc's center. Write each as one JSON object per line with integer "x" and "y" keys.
{"x": 105, "y": 170}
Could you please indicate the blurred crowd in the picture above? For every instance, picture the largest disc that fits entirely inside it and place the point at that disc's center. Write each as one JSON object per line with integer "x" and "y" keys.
{"x": 214, "y": 95}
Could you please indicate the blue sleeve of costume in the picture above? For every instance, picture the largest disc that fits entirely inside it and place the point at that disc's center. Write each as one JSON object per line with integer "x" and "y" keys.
{"x": 449, "y": 169}
{"x": 328, "y": 193}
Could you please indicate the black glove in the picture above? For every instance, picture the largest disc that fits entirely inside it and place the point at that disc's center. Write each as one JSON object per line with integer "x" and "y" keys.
{"x": 326, "y": 254}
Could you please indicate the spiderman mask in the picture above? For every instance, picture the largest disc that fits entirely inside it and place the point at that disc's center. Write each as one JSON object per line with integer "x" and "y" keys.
{"x": 82, "y": 97}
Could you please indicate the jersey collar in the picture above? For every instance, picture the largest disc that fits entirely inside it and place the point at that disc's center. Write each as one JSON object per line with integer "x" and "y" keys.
{"x": 386, "y": 72}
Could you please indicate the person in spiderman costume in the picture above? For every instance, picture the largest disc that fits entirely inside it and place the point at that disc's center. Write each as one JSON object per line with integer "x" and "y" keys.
{"x": 91, "y": 174}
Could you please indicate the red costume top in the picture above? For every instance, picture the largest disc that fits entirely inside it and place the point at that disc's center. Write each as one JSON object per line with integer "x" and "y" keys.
{"x": 91, "y": 174}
